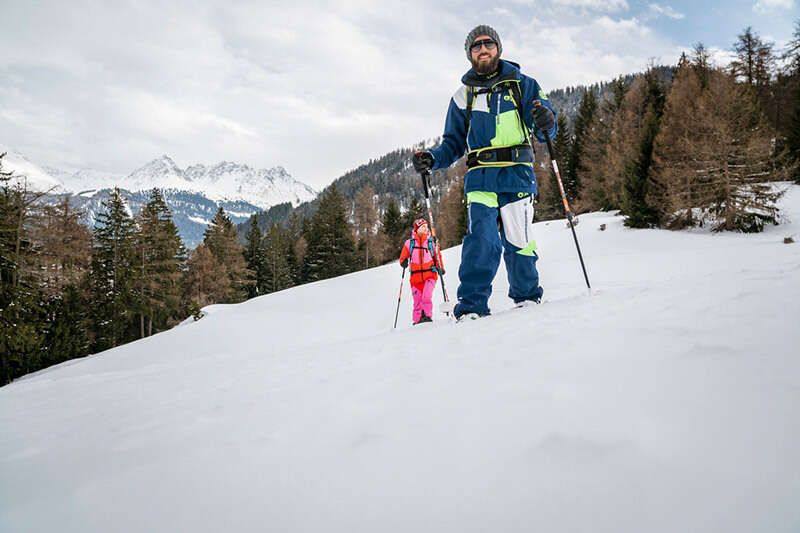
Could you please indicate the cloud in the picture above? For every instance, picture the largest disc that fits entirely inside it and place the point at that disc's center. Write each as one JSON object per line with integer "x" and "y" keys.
{"x": 667, "y": 11}
{"x": 595, "y": 5}
{"x": 589, "y": 50}
{"x": 111, "y": 85}
{"x": 769, "y": 6}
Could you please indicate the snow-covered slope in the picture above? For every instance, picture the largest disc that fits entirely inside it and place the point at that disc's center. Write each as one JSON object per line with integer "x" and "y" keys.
{"x": 664, "y": 401}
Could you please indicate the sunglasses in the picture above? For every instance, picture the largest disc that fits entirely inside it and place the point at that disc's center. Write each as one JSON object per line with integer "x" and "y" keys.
{"x": 488, "y": 43}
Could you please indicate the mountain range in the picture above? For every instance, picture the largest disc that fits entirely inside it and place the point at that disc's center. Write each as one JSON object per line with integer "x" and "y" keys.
{"x": 193, "y": 194}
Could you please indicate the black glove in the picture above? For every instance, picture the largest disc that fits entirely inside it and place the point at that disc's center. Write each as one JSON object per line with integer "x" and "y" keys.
{"x": 404, "y": 263}
{"x": 422, "y": 161}
{"x": 441, "y": 270}
{"x": 543, "y": 118}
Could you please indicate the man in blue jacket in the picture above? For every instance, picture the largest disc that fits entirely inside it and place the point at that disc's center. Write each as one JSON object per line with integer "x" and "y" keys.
{"x": 491, "y": 117}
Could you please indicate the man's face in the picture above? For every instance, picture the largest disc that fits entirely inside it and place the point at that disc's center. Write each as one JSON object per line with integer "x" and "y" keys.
{"x": 486, "y": 57}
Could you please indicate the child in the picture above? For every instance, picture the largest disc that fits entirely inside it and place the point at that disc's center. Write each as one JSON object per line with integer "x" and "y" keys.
{"x": 426, "y": 263}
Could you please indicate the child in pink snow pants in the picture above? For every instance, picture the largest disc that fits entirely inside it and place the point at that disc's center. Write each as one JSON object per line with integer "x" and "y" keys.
{"x": 423, "y": 256}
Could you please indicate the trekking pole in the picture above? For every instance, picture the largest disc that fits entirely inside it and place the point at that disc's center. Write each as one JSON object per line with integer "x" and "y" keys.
{"x": 399, "y": 296}
{"x": 566, "y": 204}
{"x": 426, "y": 175}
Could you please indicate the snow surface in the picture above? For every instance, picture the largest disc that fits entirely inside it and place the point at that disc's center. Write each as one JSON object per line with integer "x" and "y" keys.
{"x": 665, "y": 401}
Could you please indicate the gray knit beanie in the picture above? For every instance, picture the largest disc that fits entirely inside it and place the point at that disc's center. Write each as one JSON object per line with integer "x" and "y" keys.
{"x": 477, "y": 31}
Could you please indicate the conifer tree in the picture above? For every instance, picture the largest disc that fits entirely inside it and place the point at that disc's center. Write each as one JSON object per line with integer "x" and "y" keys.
{"x": 331, "y": 246}
{"x": 639, "y": 124}
{"x": 574, "y": 157}
{"x": 222, "y": 241}
{"x": 754, "y": 61}
{"x": 793, "y": 138}
{"x": 254, "y": 258}
{"x": 714, "y": 154}
{"x": 114, "y": 299}
{"x": 160, "y": 257}
{"x": 602, "y": 179}
{"x": 394, "y": 230}
{"x": 550, "y": 203}
{"x": 415, "y": 210}
{"x": 207, "y": 280}
{"x": 366, "y": 218}
{"x": 637, "y": 173}
{"x": 452, "y": 221}
{"x": 68, "y": 333}
{"x": 298, "y": 246}
{"x": 791, "y": 54}
{"x": 791, "y": 57}
{"x": 21, "y": 327}
{"x": 277, "y": 266}
{"x": 63, "y": 267}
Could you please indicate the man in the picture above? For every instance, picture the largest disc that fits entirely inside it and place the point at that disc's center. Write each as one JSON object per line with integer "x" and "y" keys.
{"x": 491, "y": 117}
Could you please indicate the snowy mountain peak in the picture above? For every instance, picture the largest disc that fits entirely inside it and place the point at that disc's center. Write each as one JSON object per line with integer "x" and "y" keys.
{"x": 234, "y": 181}
{"x": 26, "y": 171}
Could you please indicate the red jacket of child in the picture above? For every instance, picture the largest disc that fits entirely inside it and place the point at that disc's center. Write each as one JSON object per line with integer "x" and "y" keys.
{"x": 423, "y": 264}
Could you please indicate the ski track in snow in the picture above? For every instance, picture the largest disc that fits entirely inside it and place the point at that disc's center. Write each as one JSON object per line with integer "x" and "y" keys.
{"x": 665, "y": 400}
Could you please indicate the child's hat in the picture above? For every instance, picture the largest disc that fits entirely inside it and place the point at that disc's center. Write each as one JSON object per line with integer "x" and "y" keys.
{"x": 419, "y": 223}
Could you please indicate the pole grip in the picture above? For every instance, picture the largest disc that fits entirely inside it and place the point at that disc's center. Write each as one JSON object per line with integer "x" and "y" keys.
{"x": 425, "y": 175}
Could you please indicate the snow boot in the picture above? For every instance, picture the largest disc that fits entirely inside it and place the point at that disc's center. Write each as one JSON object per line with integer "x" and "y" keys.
{"x": 423, "y": 318}
{"x": 527, "y": 303}
{"x": 468, "y": 316}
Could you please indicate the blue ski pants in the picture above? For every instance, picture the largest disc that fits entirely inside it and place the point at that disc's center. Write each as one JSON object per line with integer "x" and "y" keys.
{"x": 497, "y": 223}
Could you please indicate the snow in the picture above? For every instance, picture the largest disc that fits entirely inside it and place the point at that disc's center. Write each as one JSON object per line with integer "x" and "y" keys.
{"x": 200, "y": 220}
{"x": 225, "y": 181}
{"x": 665, "y": 400}
{"x": 34, "y": 177}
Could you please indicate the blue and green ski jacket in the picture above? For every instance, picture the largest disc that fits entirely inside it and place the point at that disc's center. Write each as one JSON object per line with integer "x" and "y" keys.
{"x": 494, "y": 123}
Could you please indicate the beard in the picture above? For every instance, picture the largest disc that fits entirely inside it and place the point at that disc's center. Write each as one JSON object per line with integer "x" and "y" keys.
{"x": 486, "y": 68}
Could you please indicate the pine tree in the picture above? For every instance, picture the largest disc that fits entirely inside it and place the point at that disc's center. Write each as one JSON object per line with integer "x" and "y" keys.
{"x": 631, "y": 148}
{"x": 602, "y": 178}
{"x": 68, "y": 333}
{"x": 277, "y": 266}
{"x": 64, "y": 246}
{"x": 791, "y": 54}
{"x": 206, "y": 282}
{"x": 222, "y": 241}
{"x": 415, "y": 211}
{"x": 160, "y": 258}
{"x": 754, "y": 59}
{"x": 791, "y": 105}
{"x": 366, "y": 218}
{"x": 452, "y": 221}
{"x": 21, "y": 328}
{"x": 114, "y": 299}
{"x": 254, "y": 259}
{"x": 63, "y": 267}
{"x": 584, "y": 122}
{"x": 639, "y": 211}
{"x": 298, "y": 246}
{"x": 394, "y": 230}
{"x": 793, "y": 138}
{"x": 331, "y": 246}
{"x": 550, "y": 203}
{"x": 714, "y": 154}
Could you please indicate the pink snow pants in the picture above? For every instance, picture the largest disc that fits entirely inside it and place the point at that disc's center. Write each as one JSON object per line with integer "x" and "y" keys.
{"x": 422, "y": 299}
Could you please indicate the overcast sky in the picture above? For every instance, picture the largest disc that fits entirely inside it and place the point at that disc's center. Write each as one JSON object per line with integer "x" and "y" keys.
{"x": 316, "y": 87}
